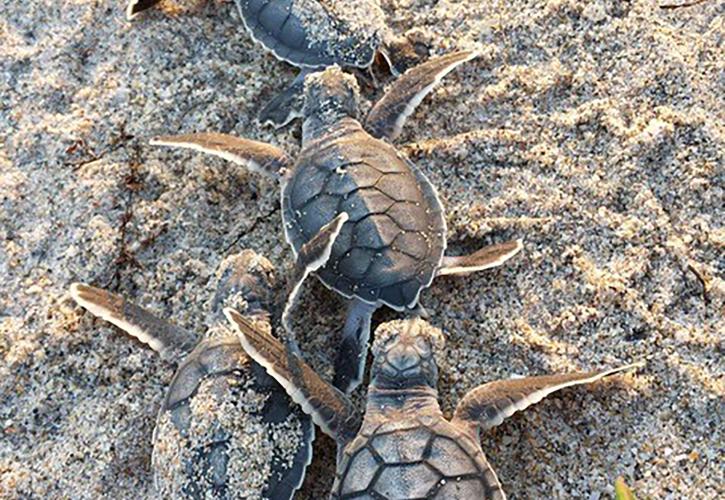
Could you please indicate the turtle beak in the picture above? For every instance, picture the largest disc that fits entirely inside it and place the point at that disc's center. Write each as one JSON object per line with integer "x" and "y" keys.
{"x": 404, "y": 357}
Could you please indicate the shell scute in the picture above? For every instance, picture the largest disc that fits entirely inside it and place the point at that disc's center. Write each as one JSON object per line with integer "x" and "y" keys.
{"x": 316, "y": 33}
{"x": 402, "y": 482}
{"x": 408, "y": 215}
{"x": 366, "y": 178}
{"x": 450, "y": 459}
{"x": 356, "y": 262}
{"x": 347, "y": 178}
{"x": 358, "y": 211}
{"x": 309, "y": 184}
{"x": 376, "y": 231}
{"x": 463, "y": 488}
{"x": 361, "y": 472}
{"x": 273, "y": 15}
{"x": 316, "y": 212}
{"x": 400, "y": 186}
{"x": 392, "y": 294}
{"x": 404, "y": 446}
{"x": 413, "y": 244}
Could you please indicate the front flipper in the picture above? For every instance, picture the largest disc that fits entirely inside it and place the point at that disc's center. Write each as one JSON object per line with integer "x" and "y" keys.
{"x": 485, "y": 258}
{"x": 312, "y": 256}
{"x": 168, "y": 340}
{"x": 353, "y": 352}
{"x": 388, "y": 116}
{"x": 328, "y": 407}
{"x": 137, "y": 6}
{"x": 489, "y": 404}
{"x": 285, "y": 106}
{"x": 258, "y": 157}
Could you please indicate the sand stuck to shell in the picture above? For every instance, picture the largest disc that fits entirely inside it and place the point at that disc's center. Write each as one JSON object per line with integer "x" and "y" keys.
{"x": 592, "y": 129}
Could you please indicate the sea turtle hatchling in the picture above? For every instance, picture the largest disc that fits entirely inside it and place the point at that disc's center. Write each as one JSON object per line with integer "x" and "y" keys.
{"x": 221, "y": 411}
{"x": 314, "y": 34}
{"x": 356, "y": 211}
{"x": 404, "y": 448}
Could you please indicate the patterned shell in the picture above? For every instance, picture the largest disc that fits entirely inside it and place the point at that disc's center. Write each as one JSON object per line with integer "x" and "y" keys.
{"x": 394, "y": 240}
{"x": 218, "y": 422}
{"x": 422, "y": 458}
{"x": 316, "y": 33}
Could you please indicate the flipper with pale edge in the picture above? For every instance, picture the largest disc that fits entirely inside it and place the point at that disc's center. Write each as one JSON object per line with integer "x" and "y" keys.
{"x": 388, "y": 116}
{"x": 490, "y": 404}
{"x": 135, "y": 7}
{"x": 328, "y": 407}
{"x": 285, "y": 106}
{"x": 258, "y": 157}
{"x": 168, "y": 340}
{"x": 485, "y": 258}
{"x": 312, "y": 256}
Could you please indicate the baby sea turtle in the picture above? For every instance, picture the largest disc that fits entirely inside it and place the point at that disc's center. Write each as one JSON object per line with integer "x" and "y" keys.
{"x": 225, "y": 429}
{"x": 403, "y": 447}
{"x": 314, "y": 34}
{"x": 356, "y": 211}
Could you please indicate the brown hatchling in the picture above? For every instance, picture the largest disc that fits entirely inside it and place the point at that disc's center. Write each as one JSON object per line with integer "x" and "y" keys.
{"x": 221, "y": 408}
{"x": 403, "y": 448}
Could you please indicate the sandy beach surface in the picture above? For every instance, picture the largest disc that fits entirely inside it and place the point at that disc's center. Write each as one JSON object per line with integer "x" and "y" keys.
{"x": 594, "y": 130}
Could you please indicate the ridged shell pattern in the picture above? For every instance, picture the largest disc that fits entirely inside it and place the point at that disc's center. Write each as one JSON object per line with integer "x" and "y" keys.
{"x": 316, "y": 33}
{"x": 419, "y": 458}
{"x": 393, "y": 242}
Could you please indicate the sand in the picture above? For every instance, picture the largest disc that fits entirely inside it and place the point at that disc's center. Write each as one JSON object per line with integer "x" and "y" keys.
{"x": 593, "y": 130}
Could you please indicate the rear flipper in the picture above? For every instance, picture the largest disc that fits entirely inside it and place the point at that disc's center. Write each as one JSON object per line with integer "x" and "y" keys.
{"x": 328, "y": 407}
{"x": 351, "y": 358}
{"x": 482, "y": 259}
{"x": 312, "y": 256}
{"x": 488, "y": 405}
{"x": 170, "y": 341}
{"x": 287, "y": 105}
{"x": 137, "y": 6}
{"x": 389, "y": 114}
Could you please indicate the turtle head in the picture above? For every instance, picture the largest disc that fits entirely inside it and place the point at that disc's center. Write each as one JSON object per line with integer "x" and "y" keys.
{"x": 404, "y": 353}
{"x": 405, "y": 51}
{"x": 245, "y": 282}
{"x": 330, "y": 95}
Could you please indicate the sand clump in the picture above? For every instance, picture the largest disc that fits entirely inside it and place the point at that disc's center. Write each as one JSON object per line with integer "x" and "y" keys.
{"x": 592, "y": 129}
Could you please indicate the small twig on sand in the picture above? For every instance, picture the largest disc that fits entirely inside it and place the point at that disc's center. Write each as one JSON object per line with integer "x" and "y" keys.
{"x": 672, "y": 6}
{"x": 703, "y": 281}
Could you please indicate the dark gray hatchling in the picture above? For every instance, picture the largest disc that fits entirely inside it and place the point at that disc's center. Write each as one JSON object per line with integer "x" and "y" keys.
{"x": 356, "y": 211}
{"x": 403, "y": 448}
{"x": 225, "y": 429}
{"x": 314, "y": 34}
